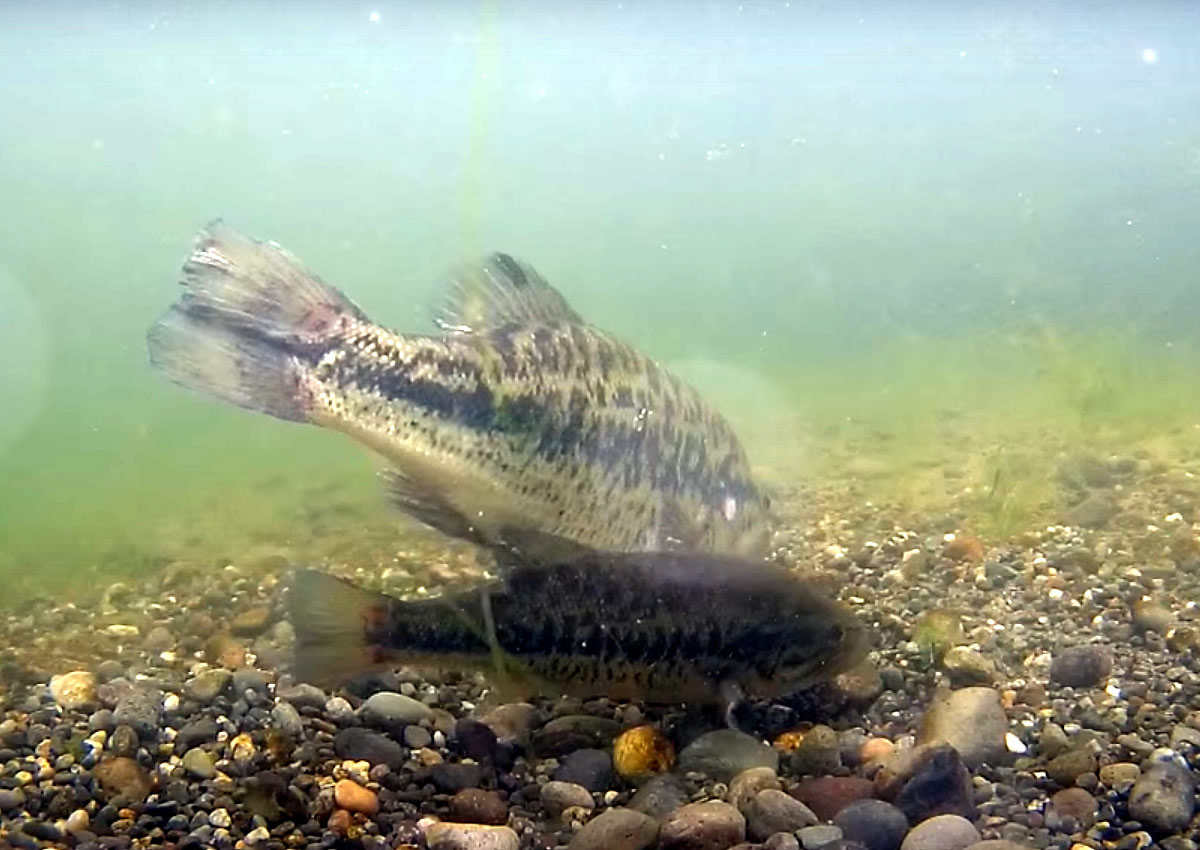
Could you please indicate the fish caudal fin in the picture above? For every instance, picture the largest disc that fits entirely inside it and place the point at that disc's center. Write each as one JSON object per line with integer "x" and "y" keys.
{"x": 246, "y": 308}
{"x": 334, "y": 623}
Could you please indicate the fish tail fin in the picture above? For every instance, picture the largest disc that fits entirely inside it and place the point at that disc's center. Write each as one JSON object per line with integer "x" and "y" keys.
{"x": 246, "y": 307}
{"x": 335, "y": 624}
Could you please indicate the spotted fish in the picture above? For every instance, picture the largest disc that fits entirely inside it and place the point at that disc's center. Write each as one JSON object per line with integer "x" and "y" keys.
{"x": 658, "y": 626}
{"x": 517, "y": 416}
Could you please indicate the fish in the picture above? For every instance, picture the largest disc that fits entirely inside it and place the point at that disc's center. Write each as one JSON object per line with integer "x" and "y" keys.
{"x": 516, "y": 416}
{"x": 663, "y": 627}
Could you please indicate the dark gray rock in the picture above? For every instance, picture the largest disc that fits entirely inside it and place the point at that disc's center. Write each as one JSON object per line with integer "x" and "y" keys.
{"x": 773, "y": 811}
{"x": 574, "y": 732}
{"x": 941, "y": 832}
{"x": 250, "y": 679}
{"x": 367, "y": 745}
{"x": 939, "y": 784}
{"x": 194, "y": 733}
{"x": 123, "y": 742}
{"x": 1164, "y": 797}
{"x": 711, "y": 825}
{"x": 875, "y": 824}
{"x": 660, "y": 796}
{"x": 475, "y": 740}
{"x": 725, "y": 753}
{"x": 301, "y": 695}
{"x": 285, "y": 716}
{"x": 1081, "y": 666}
{"x": 392, "y": 711}
{"x": 616, "y": 829}
{"x": 593, "y": 769}
{"x": 140, "y": 709}
{"x": 451, "y": 777}
{"x": 557, "y": 796}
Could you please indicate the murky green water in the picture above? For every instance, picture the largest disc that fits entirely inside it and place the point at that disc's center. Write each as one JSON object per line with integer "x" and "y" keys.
{"x": 909, "y": 251}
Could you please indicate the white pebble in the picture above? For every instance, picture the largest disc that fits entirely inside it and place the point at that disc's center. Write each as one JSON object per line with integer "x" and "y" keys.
{"x": 220, "y": 819}
{"x": 171, "y": 702}
{"x": 439, "y": 740}
{"x": 257, "y": 835}
{"x": 1014, "y": 744}
{"x": 122, "y": 630}
{"x": 77, "y": 821}
{"x": 610, "y": 797}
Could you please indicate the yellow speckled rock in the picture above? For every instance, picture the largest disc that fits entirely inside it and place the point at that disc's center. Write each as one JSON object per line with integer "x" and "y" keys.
{"x": 641, "y": 752}
{"x": 788, "y": 741}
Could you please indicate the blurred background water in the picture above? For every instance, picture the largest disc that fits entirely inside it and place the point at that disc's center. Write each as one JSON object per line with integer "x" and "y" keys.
{"x": 887, "y": 238}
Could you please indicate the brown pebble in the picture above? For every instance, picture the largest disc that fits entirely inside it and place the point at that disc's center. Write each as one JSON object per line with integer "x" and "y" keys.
{"x": 641, "y": 752}
{"x": 353, "y": 797}
{"x": 828, "y": 795}
{"x": 1075, "y": 803}
{"x": 475, "y": 805}
{"x": 964, "y": 548}
{"x": 339, "y": 821}
{"x": 251, "y": 622}
{"x": 876, "y": 749}
{"x": 224, "y": 649}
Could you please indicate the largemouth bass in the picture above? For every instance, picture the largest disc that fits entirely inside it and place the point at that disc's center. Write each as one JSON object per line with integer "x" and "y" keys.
{"x": 663, "y": 627}
{"x": 517, "y": 416}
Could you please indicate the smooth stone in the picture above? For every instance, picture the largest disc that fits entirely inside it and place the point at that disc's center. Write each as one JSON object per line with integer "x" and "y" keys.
{"x": 773, "y": 811}
{"x": 593, "y": 769}
{"x": 1053, "y": 741}
{"x": 828, "y": 795}
{"x": 511, "y": 722}
{"x": 616, "y": 829}
{"x": 249, "y": 679}
{"x": 818, "y": 754}
{"x": 470, "y": 836}
{"x": 301, "y": 695}
{"x": 710, "y": 825}
{"x": 563, "y": 735}
{"x": 936, "y": 782}
{"x": 1120, "y": 776}
{"x": 745, "y": 786}
{"x": 1075, "y": 804}
{"x": 285, "y": 716}
{"x": 74, "y": 691}
{"x": 352, "y": 797}
{"x": 875, "y": 824}
{"x": 1002, "y": 844}
{"x": 338, "y": 709}
{"x": 817, "y": 836}
{"x": 11, "y": 798}
{"x": 474, "y": 740}
{"x": 660, "y": 796}
{"x": 123, "y": 742}
{"x": 1066, "y": 768}
{"x": 359, "y": 744}
{"x": 207, "y": 686}
{"x": 451, "y": 777}
{"x": 1081, "y": 666}
{"x": 77, "y": 822}
{"x": 474, "y": 805}
{"x": 393, "y": 711}
{"x": 251, "y": 622}
{"x": 198, "y": 763}
{"x": 778, "y": 841}
{"x": 972, "y": 721}
{"x": 1164, "y": 797}
{"x": 966, "y": 666}
{"x": 724, "y": 753}
{"x": 416, "y": 737}
{"x": 195, "y": 733}
{"x": 558, "y": 796}
{"x": 941, "y": 832}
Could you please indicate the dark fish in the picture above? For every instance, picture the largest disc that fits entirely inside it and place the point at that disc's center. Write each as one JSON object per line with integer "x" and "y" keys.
{"x": 520, "y": 415}
{"x": 664, "y": 627}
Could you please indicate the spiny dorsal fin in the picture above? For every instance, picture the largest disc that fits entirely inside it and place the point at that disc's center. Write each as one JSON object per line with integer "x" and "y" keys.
{"x": 501, "y": 291}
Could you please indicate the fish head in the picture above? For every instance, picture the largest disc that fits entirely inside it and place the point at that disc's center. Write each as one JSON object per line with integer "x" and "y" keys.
{"x": 824, "y": 643}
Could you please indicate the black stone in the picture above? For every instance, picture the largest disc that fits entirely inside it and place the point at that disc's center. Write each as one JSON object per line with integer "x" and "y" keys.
{"x": 452, "y": 777}
{"x": 361, "y": 744}
{"x": 940, "y": 785}
{"x": 593, "y": 769}
{"x": 475, "y": 740}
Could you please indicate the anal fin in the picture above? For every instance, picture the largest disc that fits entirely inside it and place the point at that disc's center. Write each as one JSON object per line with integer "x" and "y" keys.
{"x": 428, "y": 506}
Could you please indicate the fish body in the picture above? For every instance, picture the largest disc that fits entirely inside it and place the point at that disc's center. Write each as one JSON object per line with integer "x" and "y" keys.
{"x": 518, "y": 415}
{"x": 663, "y": 627}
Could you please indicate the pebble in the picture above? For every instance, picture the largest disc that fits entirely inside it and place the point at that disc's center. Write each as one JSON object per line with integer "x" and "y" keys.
{"x": 557, "y": 796}
{"x": 285, "y": 716}
{"x": 220, "y": 818}
{"x": 450, "y": 777}
{"x": 593, "y": 769}
{"x": 249, "y": 679}
{"x": 158, "y": 639}
{"x": 1081, "y": 666}
{"x": 338, "y": 709}
{"x": 814, "y": 837}
{"x": 199, "y": 764}
{"x": 416, "y": 737}
{"x": 572, "y": 732}
{"x": 710, "y": 825}
{"x": 511, "y": 722}
{"x": 392, "y": 711}
{"x": 123, "y": 742}
{"x": 474, "y": 805}
{"x": 251, "y": 622}
{"x": 966, "y": 666}
{"x": 745, "y": 786}
{"x": 778, "y": 841}
{"x": 1071, "y": 810}
{"x": 77, "y": 821}
{"x": 303, "y": 695}
{"x": 1120, "y": 776}
{"x": 941, "y": 832}
{"x": 470, "y": 836}
{"x": 195, "y": 733}
{"x": 773, "y": 811}
{"x": 258, "y": 835}
{"x": 1164, "y": 796}
{"x": 359, "y": 744}
{"x": 124, "y": 779}
{"x": 818, "y": 754}
{"x": 74, "y": 691}
{"x": 616, "y": 829}
{"x": 642, "y": 752}
{"x": 11, "y": 798}
{"x": 875, "y": 824}
{"x": 972, "y": 721}
{"x": 1053, "y": 741}
{"x": 660, "y": 796}
{"x": 354, "y": 798}
{"x": 1066, "y": 768}
{"x": 207, "y": 686}
{"x": 724, "y": 753}
{"x": 937, "y": 783}
{"x": 140, "y": 709}
{"x": 828, "y": 795}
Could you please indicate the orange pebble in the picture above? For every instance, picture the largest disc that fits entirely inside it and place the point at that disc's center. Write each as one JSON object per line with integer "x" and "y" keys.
{"x": 876, "y": 749}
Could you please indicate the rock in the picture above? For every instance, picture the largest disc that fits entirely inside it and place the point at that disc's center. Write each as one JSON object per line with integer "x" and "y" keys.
{"x": 511, "y": 722}
{"x": 124, "y": 780}
{"x": 972, "y": 721}
{"x": 359, "y": 744}
{"x": 642, "y": 752}
{"x": 593, "y": 769}
{"x": 819, "y": 753}
{"x": 474, "y": 805}
{"x": 1095, "y": 511}
{"x": 450, "y": 777}
{"x": 966, "y": 666}
{"x": 207, "y": 686}
{"x": 11, "y": 799}
{"x": 302, "y": 695}
{"x": 778, "y": 841}
{"x": 285, "y": 716}
{"x": 711, "y": 825}
{"x": 1184, "y": 736}
{"x": 814, "y": 837}
{"x": 1000, "y": 844}
{"x": 935, "y": 782}
{"x": 616, "y": 829}
{"x": 1120, "y": 776}
{"x": 744, "y": 787}
{"x": 1081, "y": 666}
{"x": 1053, "y": 741}
{"x": 773, "y": 811}
{"x": 1164, "y": 797}
{"x": 250, "y": 679}
{"x": 123, "y": 742}
{"x": 392, "y": 712}
{"x": 158, "y": 639}
{"x": 199, "y": 764}
{"x": 416, "y": 737}
{"x": 337, "y": 709}
{"x": 140, "y": 709}
{"x": 859, "y": 686}
{"x": 1071, "y": 810}
{"x": 352, "y": 797}
{"x": 1149, "y": 616}
{"x": 195, "y": 733}
{"x": 876, "y": 750}
{"x": 473, "y": 739}
{"x": 875, "y": 824}
{"x": 574, "y": 732}
{"x": 251, "y": 622}
{"x": 77, "y": 822}
{"x": 828, "y": 795}
{"x": 660, "y": 796}
{"x": 941, "y": 832}
{"x": 74, "y": 691}
{"x": 725, "y": 753}
{"x": 1066, "y": 768}
{"x": 557, "y": 796}
{"x": 470, "y": 836}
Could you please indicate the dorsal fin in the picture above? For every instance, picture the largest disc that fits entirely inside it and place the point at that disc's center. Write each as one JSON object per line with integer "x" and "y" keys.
{"x": 501, "y": 291}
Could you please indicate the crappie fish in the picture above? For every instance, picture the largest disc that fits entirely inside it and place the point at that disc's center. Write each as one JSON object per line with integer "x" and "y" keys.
{"x": 663, "y": 627}
{"x": 519, "y": 415}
